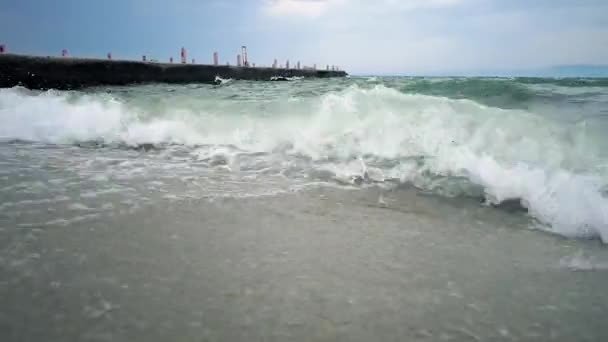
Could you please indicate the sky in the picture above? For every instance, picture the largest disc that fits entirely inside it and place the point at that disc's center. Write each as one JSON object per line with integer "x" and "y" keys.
{"x": 360, "y": 36}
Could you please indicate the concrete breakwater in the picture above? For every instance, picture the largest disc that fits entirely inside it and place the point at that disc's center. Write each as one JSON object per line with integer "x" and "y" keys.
{"x": 74, "y": 73}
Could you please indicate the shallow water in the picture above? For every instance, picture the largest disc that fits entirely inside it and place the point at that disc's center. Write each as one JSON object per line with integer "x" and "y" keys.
{"x": 347, "y": 209}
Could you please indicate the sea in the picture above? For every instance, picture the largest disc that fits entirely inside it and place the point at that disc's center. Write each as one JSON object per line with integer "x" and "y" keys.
{"x": 344, "y": 209}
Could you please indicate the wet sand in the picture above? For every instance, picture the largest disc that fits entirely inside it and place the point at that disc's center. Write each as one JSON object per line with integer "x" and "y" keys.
{"x": 317, "y": 265}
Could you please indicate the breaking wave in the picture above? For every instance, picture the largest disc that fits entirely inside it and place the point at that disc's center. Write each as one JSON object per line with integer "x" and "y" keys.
{"x": 447, "y": 146}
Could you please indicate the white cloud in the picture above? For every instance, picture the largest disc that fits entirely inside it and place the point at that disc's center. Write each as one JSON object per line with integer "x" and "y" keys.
{"x": 318, "y": 8}
{"x": 306, "y": 8}
{"x": 416, "y": 4}
{"x": 417, "y": 36}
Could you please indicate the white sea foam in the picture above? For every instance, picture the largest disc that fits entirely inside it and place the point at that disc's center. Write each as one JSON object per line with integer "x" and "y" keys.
{"x": 555, "y": 169}
{"x": 579, "y": 261}
{"x": 222, "y": 81}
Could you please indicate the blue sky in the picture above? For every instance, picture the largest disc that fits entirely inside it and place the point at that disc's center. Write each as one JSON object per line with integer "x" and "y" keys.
{"x": 362, "y": 36}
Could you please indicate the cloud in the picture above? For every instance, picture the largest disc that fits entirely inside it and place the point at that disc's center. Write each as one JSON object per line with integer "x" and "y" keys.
{"x": 318, "y": 8}
{"x": 420, "y": 36}
{"x": 417, "y": 4}
{"x": 305, "y": 8}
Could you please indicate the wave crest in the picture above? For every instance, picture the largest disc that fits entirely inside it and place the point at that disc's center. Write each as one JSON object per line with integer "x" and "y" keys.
{"x": 554, "y": 169}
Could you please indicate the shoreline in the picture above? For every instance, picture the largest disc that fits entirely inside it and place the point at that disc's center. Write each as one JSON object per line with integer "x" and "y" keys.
{"x": 318, "y": 265}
